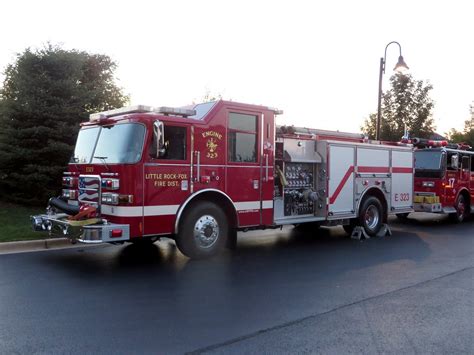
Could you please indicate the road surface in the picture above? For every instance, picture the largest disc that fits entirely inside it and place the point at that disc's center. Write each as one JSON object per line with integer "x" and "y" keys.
{"x": 283, "y": 291}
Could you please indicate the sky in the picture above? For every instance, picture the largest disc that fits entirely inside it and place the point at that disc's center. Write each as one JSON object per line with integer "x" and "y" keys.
{"x": 318, "y": 61}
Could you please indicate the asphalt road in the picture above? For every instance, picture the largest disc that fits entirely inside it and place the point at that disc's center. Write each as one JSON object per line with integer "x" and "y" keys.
{"x": 280, "y": 292}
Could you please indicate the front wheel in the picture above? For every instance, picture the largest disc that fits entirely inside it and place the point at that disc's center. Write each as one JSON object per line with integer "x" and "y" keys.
{"x": 203, "y": 231}
{"x": 371, "y": 215}
{"x": 461, "y": 210}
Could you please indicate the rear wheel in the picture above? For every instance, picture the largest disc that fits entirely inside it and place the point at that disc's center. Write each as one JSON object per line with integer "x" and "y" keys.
{"x": 203, "y": 231}
{"x": 461, "y": 210}
{"x": 371, "y": 215}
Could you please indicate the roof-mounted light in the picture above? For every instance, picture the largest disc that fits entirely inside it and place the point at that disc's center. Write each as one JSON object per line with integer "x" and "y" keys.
{"x": 276, "y": 111}
{"x": 120, "y": 111}
{"x": 176, "y": 111}
{"x": 164, "y": 110}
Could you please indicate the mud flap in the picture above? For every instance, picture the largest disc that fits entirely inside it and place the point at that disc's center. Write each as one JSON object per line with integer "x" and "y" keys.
{"x": 359, "y": 232}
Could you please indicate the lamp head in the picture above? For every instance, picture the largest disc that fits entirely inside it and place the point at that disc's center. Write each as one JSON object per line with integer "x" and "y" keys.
{"x": 401, "y": 66}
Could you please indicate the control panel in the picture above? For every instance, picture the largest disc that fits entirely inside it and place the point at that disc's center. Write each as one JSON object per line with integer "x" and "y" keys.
{"x": 298, "y": 192}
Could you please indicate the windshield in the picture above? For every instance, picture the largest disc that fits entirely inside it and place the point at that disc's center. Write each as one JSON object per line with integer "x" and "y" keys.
{"x": 428, "y": 160}
{"x": 120, "y": 143}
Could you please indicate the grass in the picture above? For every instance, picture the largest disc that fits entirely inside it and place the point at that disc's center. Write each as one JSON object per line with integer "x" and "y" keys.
{"x": 15, "y": 223}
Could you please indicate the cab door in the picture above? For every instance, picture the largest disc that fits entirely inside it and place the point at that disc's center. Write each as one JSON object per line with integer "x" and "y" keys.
{"x": 167, "y": 180}
{"x": 249, "y": 170}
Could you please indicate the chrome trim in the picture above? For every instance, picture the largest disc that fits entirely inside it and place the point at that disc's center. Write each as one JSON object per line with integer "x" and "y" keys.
{"x": 191, "y": 168}
{"x": 266, "y": 167}
{"x": 198, "y": 165}
{"x": 191, "y": 197}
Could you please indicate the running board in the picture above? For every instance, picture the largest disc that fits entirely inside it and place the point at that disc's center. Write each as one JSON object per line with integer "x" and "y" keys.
{"x": 360, "y": 233}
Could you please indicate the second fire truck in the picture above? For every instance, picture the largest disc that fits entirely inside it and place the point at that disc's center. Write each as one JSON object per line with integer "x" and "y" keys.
{"x": 199, "y": 174}
{"x": 444, "y": 178}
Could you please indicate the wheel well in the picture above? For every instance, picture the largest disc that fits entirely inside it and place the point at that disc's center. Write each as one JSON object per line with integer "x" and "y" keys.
{"x": 219, "y": 199}
{"x": 380, "y": 196}
{"x": 466, "y": 196}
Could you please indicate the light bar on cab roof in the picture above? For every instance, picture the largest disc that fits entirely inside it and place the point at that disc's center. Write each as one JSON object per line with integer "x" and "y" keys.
{"x": 275, "y": 110}
{"x": 120, "y": 111}
{"x": 177, "y": 111}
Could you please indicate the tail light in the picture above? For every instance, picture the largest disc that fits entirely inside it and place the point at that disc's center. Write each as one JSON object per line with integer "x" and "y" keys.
{"x": 115, "y": 233}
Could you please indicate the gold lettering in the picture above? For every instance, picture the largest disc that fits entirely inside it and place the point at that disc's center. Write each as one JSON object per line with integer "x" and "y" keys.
{"x": 212, "y": 134}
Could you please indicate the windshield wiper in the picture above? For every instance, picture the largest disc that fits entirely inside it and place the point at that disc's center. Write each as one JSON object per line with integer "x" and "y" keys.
{"x": 104, "y": 160}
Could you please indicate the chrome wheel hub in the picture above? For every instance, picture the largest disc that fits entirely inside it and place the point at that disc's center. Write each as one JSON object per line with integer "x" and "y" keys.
{"x": 206, "y": 231}
{"x": 372, "y": 217}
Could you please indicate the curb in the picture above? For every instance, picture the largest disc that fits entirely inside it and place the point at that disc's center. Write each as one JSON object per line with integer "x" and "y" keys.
{"x": 34, "y": 245}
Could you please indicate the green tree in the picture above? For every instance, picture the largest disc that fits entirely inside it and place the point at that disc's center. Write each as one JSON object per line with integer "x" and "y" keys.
{"x": 465, "y": 136}
{"x": 406, "y": 104}
{"x": 46, "y": 94}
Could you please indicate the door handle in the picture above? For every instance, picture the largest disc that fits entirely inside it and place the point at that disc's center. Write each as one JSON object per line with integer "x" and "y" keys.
{"x": 266, "y": 167}
{"x": 198, "y": 166}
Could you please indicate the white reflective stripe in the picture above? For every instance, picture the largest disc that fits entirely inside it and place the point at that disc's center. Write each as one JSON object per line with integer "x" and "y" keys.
{"x": 161, "y": 210}
{"x": 122, "y": 211}
{"x": 267, "y": 204}
{"x": 253, "y": 205}
{"x": 138, "y": 211}
{"x": 249, "y": 205}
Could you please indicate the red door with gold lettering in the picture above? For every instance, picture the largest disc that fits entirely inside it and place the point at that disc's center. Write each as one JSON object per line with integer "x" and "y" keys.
{"x": 167, "y": 180}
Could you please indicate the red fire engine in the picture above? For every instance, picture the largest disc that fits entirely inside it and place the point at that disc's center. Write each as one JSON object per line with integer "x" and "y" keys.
{"x": 199, "y": 174}
{"x": 444, "y": 178}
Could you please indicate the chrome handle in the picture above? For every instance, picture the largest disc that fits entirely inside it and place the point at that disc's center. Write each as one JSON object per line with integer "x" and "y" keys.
{"x": 198, "y": 165}
{"x": 266, "y": 167}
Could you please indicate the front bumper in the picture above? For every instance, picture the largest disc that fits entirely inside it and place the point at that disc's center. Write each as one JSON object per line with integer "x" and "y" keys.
{"x": 428, "y": 207}
{"x": 91, "y": 231}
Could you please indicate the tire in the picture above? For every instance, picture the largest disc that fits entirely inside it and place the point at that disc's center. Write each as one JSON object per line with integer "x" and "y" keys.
{"x": 402, "y": 216}
{"x": 371, "y": 215}
{"x": 203, "y": 231}
{"x": 461, "y": 210}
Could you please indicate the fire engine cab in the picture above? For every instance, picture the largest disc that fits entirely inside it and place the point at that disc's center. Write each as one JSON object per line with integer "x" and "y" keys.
{"x": 201, "y": 173}
{"x": 444, "y": 178}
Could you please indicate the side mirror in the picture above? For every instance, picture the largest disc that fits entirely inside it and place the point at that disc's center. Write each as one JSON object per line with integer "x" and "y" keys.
{"x": 159, "y": 137}
{"x": 465, "y": 163}
{"x": 454, "y": 161}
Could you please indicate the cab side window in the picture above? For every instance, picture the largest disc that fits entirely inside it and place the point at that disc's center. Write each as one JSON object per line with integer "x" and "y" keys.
{"x": 175, "y": 143}
{"x": 242, "y": 138}
{"x": 449, "y": 166}
{"x": 465, "y": 160}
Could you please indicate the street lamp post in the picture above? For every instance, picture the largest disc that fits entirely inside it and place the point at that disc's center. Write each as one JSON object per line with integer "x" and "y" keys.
{"x": 400, "y": 67}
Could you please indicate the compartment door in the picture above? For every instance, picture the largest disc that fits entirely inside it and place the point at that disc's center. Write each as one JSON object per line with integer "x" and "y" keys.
{"x": 341, "y": 181}
{"x": 402, "y": 181}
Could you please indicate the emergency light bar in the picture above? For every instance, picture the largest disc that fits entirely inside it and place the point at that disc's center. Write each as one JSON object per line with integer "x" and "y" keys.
{"x": 177, "y": 111}
{"x": 174, "y": 111}
{"x": 275, "y": 110}
{"x": 120, "y": 111}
